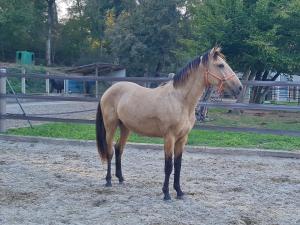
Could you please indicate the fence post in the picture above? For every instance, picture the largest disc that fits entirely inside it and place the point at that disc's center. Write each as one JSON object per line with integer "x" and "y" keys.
{"x": 66, "y": 86}
{"x": 2, "y": 102}
{"x": 47, "y": 85}
{"x": 97, "y": 83}
{"x": 298, "y": 95}
{"x": 23, "y": 82}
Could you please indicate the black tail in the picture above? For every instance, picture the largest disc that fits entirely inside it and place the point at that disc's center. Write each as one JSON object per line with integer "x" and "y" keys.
{"x": 101, "y": 135}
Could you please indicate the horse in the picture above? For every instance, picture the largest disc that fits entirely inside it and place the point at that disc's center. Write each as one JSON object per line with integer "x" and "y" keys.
{"x": 56, "y": 84}
{"x": 167, "y": 111}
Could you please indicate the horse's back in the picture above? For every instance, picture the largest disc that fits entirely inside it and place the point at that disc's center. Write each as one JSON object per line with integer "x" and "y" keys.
{"x": 117, "y": 90}
{"x": 121, "y": 90}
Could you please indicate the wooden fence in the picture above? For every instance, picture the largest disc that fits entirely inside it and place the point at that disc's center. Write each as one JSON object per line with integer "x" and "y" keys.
{"x": 141, "y": 80}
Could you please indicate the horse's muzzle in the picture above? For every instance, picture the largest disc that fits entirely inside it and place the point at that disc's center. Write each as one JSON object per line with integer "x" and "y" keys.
{"x": 236, "y": 92}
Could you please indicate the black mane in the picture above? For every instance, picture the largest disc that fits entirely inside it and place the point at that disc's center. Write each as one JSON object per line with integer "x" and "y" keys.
{"x": 182, "y": 76}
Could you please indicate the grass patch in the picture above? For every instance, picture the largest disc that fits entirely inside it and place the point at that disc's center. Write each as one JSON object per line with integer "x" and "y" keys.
{"x": 196, "y": 137}
{"x": 266, "y": 120}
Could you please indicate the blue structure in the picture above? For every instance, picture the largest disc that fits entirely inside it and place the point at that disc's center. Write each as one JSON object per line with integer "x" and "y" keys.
{"x": 78, "y": 86}
{"x": 96, "y": 69}
{"x": 75, "y": 86}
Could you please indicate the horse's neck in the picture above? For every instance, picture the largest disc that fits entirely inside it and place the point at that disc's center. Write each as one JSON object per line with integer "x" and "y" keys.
{"x": 193, "y": 89}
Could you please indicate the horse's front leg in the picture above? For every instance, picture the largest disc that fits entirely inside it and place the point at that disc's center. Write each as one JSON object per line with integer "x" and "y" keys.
{"x": 179, "y": 145}
{"x": 168, "y": 148}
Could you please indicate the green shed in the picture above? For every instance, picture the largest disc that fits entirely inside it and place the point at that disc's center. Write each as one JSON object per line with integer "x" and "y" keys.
{"x": 25, "y": 57}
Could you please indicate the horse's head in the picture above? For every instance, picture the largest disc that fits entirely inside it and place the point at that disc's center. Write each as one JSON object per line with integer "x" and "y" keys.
{"x": 218, "y": 73}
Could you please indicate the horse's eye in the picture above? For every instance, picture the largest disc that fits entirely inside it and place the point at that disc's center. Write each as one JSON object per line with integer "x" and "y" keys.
{"x": 221, "y": 65}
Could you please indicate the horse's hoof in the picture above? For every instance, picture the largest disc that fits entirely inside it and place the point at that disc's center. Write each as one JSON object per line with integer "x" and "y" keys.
{"x": 167, "y": 197}
{"x": 121, "y": 182}
{"x": 180, "y": 197}
{"x": 108, "y": 184}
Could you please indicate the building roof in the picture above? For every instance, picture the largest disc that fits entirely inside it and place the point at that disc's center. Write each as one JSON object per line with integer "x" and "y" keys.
{"x": 103, "y": 69}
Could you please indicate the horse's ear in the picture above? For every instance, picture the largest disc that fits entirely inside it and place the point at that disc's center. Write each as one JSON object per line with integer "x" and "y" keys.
{"x": 212, "y": 51}
{"x": 215, "y": 52}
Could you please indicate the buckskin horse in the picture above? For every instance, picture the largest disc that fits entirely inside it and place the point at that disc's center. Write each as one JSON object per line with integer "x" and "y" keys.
{"x": 167, "y": 111}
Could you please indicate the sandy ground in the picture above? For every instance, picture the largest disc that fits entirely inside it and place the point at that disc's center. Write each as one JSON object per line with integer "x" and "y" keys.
{"x": 51, "y": 108}
{"x": 57, "y": 184}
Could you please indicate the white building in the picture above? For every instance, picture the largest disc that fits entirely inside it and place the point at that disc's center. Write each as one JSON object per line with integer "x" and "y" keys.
{"x": 289, "y": 94}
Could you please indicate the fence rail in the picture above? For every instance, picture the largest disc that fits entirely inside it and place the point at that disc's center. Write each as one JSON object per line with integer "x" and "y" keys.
{"x": 135, "y": 79}
{"x": 239, "y": 106}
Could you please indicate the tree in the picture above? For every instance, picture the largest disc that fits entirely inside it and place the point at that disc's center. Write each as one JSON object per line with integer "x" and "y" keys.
{"x": 73, "y": 35}
{"x": 15, "y": 23}
{"x": 144, "y": 39}
{"x": 52, "y": 19}
{"x": 82, "y": 36}
{"x": 257, "y": 36}
{"x": 23, "y": 27}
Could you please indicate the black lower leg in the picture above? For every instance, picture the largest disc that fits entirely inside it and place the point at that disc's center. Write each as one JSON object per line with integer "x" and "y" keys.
{"x": 168, "y": 171}
{"x": 108, "y": 174}
{"x": 118, "y": 163}
{"x": 177, "y": 168}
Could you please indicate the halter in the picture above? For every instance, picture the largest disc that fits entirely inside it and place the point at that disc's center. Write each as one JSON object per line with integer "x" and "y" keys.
{"x": 222, "y": 80}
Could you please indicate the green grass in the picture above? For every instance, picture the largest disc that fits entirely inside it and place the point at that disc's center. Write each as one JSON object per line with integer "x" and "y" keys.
{"x": 274, "y": 120}
{"x": 196, "y": 137}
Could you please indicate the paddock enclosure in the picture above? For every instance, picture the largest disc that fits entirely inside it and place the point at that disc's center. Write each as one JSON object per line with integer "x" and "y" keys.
{"x": 286, "y": 95}
{"x": 43, "y": 183}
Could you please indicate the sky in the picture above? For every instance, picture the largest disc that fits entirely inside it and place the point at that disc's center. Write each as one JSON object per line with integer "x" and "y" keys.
{"x": 62, "y": 8}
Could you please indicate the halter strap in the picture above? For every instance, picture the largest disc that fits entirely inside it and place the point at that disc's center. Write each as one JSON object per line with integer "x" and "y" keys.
{"x": 222, "y": 80}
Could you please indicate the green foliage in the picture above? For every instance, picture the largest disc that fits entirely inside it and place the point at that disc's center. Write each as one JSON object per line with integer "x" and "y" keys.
{"x": 143, "y": 39}
{"x": 196, "y": 137}
{"x": 21, "y": 25}
{"x": 72, "y": 41}
{"x": 221, "y": 22}
{"x": 262, "y": 34}
{"x": 153, "y": 36}
{"x": 14, "y": 20}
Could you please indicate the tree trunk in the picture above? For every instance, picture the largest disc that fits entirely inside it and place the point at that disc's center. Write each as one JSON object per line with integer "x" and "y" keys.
{"x": 264, "y": 94}
{"x": 117, "y": 4}
{"x": 261, "y": 92}
{"x": 258, "y": 77}
{"x": 201, "y": 111}
{"x": 299, "y": 96}
{"x": 258, "y": 98}
{"x": 50, "y": 28}
{"x": 241, "y": 97}
{"x": 54, "y": 32}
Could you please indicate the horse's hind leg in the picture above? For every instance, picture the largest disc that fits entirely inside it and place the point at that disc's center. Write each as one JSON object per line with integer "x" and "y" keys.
{"x": 119, "y": 148}
{"x": 110, "y": 131}
{"x": 179, "y": 145}
{"x": 168, "y": 147}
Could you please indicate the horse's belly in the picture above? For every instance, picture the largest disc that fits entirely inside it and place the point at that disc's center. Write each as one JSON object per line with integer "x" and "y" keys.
{"x": 146, "y": 128}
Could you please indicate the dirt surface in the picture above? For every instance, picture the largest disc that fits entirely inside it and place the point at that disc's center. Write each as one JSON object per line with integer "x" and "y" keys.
{"x": 57, "y": 184}
{"x": 51, "y": 109}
